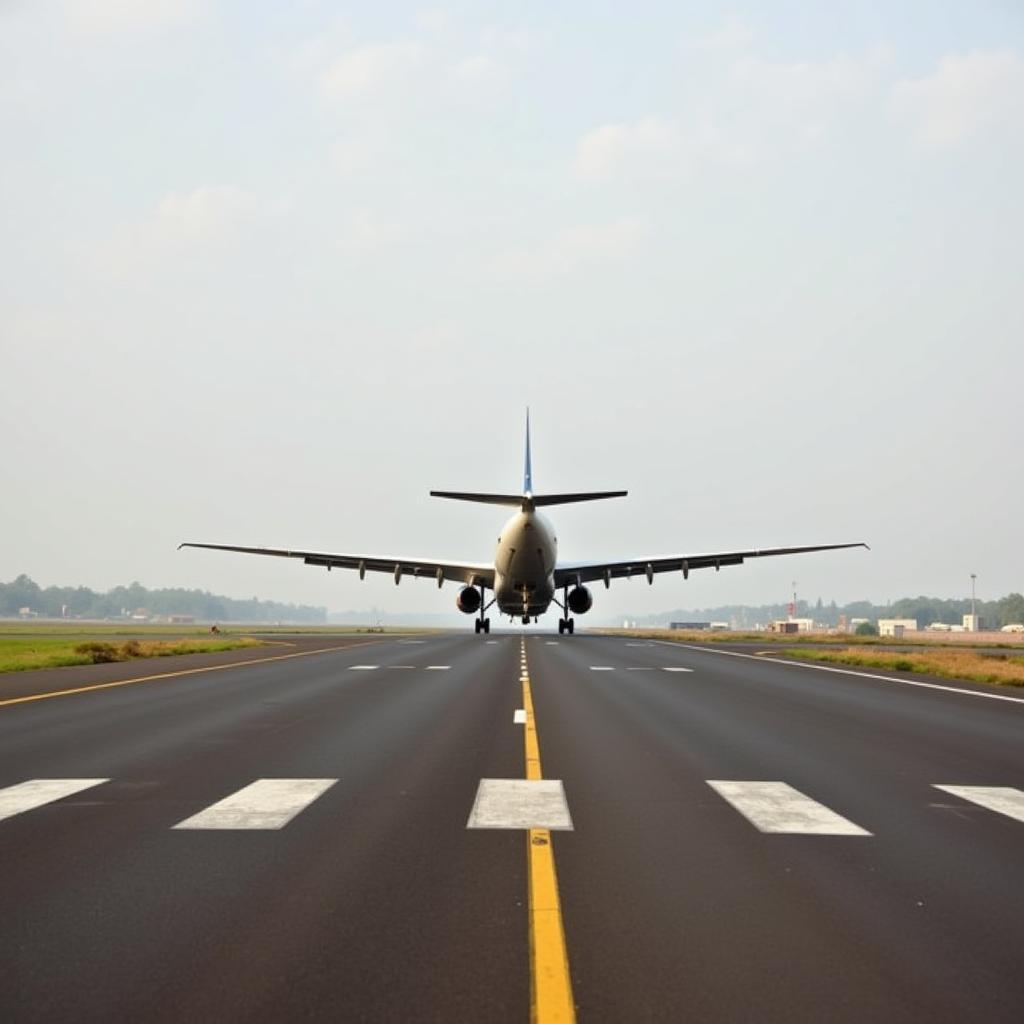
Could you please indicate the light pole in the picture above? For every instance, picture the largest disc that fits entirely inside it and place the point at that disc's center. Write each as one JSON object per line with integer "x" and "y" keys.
{"x": 974, "y": 620}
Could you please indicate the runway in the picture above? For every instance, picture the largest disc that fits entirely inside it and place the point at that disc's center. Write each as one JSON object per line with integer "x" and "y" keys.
{"x": 335, "y": 834}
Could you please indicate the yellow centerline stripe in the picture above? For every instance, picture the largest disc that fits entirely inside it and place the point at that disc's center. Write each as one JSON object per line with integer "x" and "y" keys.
{"x": 182, "y": 672}
{"x": 550, "y": 984}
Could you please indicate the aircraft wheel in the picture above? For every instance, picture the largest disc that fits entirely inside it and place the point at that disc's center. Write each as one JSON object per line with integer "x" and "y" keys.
{"x": 561, "y": 626}
{"x": 571, "y": 625}
{"x": 476, "y": 625}
{"x": 487, "y": 625}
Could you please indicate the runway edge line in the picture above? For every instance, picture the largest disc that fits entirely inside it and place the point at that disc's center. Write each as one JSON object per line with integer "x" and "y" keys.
{"x": 551, "y": 986}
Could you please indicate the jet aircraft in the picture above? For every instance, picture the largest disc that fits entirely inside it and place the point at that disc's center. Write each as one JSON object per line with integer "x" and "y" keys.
{"x": 525, "y": 576}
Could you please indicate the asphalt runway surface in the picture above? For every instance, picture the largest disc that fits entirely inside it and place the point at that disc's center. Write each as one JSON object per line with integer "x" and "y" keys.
{"x": 736, "y": 839}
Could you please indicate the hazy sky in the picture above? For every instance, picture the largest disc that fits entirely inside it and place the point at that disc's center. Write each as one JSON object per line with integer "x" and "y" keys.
{"x": 268, "y": 273}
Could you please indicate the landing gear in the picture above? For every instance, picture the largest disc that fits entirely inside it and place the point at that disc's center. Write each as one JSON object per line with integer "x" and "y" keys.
{"x": 566, "y": 625}
{"x": 526, "y": 620}
{"x": 482, "y": 625}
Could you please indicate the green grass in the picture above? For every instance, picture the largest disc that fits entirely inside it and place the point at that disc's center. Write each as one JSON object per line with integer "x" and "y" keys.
{"x": 809, "y": 639}
{"x": 22, "y": 653}
{"x": 1001, "y": 669}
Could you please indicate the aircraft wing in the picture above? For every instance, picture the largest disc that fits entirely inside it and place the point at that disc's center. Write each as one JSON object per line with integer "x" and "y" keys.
{"x": 474, "y": 573}
{"x": 569, "y": 573}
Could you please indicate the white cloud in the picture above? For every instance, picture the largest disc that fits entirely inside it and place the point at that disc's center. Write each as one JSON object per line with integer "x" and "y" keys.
{"x": 614, "y": 147}
{"x": 746, "y": 109}
{"x": 367, "y": 68}
{"x": 127, "y": 15}
{"x": 965, "y": 95}
{"x": 199, "y": 221}
{"x": 350, "y": 156}
{"x": 205, "y": 214}
{"x": 572, "y": 249}
{"x": 475, "y": 68}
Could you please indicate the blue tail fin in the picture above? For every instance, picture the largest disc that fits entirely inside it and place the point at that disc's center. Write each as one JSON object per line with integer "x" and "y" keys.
{"x": 528, "y": 471}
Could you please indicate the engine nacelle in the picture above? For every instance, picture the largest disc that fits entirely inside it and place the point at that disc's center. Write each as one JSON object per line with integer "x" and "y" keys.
{"x": 468, "y": 600}
{"x": 580, "y": 600}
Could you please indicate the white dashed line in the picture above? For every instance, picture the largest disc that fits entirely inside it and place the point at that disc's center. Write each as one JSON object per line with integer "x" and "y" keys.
{"x": 776, "y": 807}
{"x": 675, "y": 668}
{"x": 1001, "y": 799}
{"x": 362, "y": 668}
{"x": 520, "y": 804}
{"x": 438, "y": 668}
{"x": 265, "y": 804}
{"x": 601, "y": 668}
{"x": 27, "y": 796}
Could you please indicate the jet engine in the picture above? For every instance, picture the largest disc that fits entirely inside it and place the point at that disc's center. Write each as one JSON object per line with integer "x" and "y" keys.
{"x": 468, "y": 600}
{"x": 580, "y": 600}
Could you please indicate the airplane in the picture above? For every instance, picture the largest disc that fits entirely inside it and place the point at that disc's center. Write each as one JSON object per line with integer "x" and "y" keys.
{"x": 525, "y": 575}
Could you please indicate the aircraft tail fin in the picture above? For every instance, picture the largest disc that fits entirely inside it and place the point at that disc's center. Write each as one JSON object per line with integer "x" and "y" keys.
{"x": 528, "y": 469}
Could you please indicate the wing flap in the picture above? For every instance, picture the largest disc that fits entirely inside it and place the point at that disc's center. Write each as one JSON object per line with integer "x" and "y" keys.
{"x": 568, "y": 573}
{"x": 473, "y": 573}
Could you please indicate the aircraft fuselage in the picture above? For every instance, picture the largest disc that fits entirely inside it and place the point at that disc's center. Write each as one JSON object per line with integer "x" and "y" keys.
{"x": 524, "y": 564}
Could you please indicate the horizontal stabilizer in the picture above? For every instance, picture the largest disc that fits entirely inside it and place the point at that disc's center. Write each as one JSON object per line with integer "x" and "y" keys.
{"x": 568, "y": 499}
{"x": 528, "y": 500}
{"x": 484, "y": 499}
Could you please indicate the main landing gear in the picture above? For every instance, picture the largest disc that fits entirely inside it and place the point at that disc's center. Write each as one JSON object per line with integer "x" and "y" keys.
{"x": 566, "y": 625}
{"x": 483, "y": 625}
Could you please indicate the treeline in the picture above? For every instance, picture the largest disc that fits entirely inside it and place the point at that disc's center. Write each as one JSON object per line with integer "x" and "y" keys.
{"x": 926, "y": 610}
{"x": 81, "y": 602}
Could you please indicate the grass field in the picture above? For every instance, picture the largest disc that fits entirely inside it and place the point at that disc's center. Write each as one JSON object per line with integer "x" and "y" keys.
{"x": 91, "y": 629}
{"x": 1003, "y": 669}
{"x": 810, "y": 639}
{"x": 21, "y": 653}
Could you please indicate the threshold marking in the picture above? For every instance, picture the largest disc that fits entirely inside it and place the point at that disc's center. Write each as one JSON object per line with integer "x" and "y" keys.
{"x": 1001, "y": 799}
{"x": 779, "y": 808}
{"x": 27, "y": 796}
{"x": 264, "y": 804}
{"x": 520, "y": 803}
{"x": 519, "y": 718}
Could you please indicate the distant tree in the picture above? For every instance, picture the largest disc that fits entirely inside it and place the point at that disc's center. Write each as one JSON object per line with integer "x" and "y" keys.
{"x": 866, "y": 629}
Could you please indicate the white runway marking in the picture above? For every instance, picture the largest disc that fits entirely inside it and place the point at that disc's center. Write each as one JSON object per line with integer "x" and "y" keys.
{"x": 519, "y": 718}
{"x": 265, "y": 804}
{"x": 675, "y": 668}
{"x": 412, "y": 641}
{"x": 490, "y": 641}
{"x": 27, "y": 796}
{"x": 639, "y": 645}
{"x": 551, "y": 643}
{"x": 520, "y": 803}
{"x": 362, "y": 668}
{"x": 601, "y": 668}
{"x": 776, "y": 807}
{"x": 438, "y": 668}
{"x": 1001, "y": 799}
